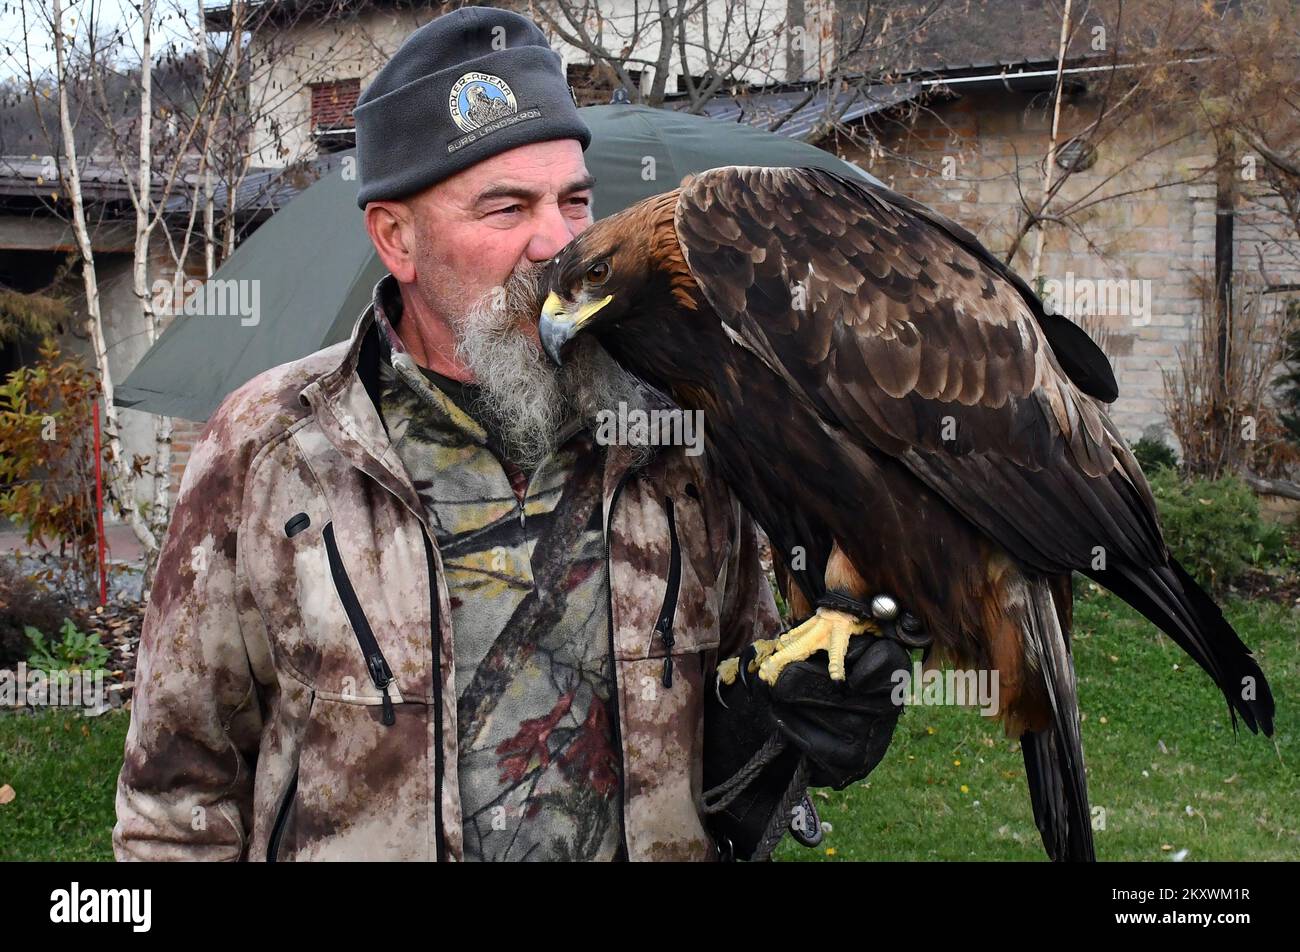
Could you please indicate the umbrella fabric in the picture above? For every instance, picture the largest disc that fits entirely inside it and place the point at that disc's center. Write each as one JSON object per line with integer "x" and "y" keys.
{"x": 312, "y": 267}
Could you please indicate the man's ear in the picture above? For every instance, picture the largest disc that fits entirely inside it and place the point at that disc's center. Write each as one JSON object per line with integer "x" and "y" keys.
{"x": 391, "y": 228}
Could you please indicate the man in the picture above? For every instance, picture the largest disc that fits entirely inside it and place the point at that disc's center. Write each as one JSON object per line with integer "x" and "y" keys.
{"x": 407, "y": 607}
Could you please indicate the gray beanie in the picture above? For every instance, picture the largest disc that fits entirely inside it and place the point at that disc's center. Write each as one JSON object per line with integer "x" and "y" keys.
{"x": 462, "y": 88}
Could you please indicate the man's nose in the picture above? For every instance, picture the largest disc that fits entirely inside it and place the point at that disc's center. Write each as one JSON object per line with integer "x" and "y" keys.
{"x": 551, "y": 235}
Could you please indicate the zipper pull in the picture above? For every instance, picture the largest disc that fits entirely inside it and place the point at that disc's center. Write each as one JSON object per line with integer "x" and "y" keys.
{"x": 382, "y": 676}
{"x": 666, "y": 633}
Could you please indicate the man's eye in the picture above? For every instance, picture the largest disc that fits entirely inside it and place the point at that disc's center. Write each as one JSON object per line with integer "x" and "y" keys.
{"x": 508, "y": 210}
{"x": 583, "y": 201}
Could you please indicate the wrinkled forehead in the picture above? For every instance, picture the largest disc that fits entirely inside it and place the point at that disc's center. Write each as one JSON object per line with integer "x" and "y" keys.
{"x": 538, "y": 169}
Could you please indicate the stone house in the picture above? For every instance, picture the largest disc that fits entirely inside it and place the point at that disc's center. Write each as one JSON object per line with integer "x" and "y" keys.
{"x": 1134, "y": 265}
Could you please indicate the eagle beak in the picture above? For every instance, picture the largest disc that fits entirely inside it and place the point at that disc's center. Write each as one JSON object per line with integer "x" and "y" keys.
{"x": 557, "y": 326}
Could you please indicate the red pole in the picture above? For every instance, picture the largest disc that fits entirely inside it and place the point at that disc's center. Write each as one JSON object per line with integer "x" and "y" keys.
{"x": 99, "y": 506}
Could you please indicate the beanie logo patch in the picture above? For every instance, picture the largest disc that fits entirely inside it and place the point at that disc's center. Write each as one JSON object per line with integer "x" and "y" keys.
{"x": 481, "y": 104}
{"x": 478, "y": 99}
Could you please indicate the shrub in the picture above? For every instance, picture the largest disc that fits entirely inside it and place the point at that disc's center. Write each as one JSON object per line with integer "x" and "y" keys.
{"x": 1288, "y": 382}
{"x": 25, "y": 602}
{"x": 1215, "y": 397}
{"x": 1153, "y": 454}
{"x": 1213, "y": 527}
{"x": 47, "y": 470}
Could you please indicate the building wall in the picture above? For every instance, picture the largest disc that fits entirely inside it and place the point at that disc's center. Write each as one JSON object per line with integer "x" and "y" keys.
{"x": 774, "y": 55}
{"x": 961, "y": 157}
{"x": 312, "y": 52}
{"x": 316, "y": 52}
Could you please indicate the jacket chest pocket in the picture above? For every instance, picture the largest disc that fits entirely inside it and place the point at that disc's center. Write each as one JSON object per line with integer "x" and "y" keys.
{"x": 363, "y": 749}
{"x": 352, "y": 627}
{"x": 381, "y": 675}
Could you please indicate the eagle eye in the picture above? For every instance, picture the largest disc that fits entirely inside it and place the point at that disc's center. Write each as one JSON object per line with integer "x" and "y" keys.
{"x": 598, "y": 273}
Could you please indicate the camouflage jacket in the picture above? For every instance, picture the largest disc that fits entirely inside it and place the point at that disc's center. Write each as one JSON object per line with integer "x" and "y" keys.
{"x": 294, "y": 693}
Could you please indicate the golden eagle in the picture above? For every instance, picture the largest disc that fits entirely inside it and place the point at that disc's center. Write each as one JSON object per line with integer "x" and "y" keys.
{"x": 892, "y": 403}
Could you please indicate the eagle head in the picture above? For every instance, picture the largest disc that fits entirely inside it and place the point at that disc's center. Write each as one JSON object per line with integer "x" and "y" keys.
{"x": 591, "y": 280}
{"x": 604, "y": 278}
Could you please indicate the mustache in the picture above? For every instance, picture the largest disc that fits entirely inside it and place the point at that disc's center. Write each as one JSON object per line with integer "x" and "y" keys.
{"x": 522, "y": 294}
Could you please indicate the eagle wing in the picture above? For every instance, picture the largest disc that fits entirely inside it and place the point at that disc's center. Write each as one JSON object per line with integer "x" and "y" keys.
{"x": 903, "y": 332}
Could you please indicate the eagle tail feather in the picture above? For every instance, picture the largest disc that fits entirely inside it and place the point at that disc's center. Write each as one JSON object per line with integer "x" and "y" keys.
{"x": 1054, "y": 767}
{"x": 1172, "y": 600}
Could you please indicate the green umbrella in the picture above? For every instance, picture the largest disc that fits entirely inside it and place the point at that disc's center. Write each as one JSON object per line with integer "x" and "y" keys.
{"x": 308, "y": 273}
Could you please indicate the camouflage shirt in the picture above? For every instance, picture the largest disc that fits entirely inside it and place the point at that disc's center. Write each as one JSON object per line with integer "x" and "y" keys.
{"x": 538, "y": 758}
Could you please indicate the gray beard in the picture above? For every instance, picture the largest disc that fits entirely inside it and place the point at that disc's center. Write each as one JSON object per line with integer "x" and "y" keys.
{"x": 530, "y": 399}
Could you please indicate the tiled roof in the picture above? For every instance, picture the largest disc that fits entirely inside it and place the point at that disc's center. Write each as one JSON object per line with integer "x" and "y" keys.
{"x": 765, "y": 110}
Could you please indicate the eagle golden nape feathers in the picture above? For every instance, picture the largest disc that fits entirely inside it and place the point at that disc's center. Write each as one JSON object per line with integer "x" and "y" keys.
{"x": 881, "y": 392}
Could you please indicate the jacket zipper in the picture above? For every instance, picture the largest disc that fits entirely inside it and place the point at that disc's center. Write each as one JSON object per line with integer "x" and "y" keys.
{"x": 273, "y": 846}
{"x": 375, "y": 663}
{"x": 664, "y": 626}
{"x": 613, "y": 660}
{"x": 286, "y": 801}
{"x": 437, "y": 698}
{"x": 378, "y": 667}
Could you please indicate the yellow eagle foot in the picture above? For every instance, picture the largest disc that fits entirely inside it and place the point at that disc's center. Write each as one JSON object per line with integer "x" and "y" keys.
{"x": 754, "y": 656}
{"x": 828, "y": 630}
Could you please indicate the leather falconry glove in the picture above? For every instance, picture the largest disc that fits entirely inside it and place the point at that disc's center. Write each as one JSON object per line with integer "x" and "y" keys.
{"x": 763, "y": 746}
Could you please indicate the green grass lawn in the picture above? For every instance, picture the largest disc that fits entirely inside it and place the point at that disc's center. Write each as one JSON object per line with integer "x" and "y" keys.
{"x": 951, "y": 788}
{"x": 63, "y": 769}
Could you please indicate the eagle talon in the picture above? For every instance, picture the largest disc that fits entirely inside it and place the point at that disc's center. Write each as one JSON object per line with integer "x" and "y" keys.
{"x": 746, "y": 663}
{"x": 744, "y": 666}
{"x": 829, "y": 630}
{"x": 726, "y": 674}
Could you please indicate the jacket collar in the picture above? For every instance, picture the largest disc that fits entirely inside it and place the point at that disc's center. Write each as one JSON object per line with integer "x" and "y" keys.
{"x": 345, "y": 401}
{"x": 373, "y": 338}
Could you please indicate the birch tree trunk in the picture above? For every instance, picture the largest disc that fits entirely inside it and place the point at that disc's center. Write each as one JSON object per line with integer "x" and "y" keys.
{"x": 159, "y": 509}
{"x": 119, "y": 473}
{"x": 1041, "y": 237}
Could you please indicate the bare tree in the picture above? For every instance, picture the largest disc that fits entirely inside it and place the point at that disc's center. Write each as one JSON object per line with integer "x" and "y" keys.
{"x": 120, "y": 477}
{"x": 1120, "y": 74}
{"x": 835, "y": 50}
{"x": 170, "y": 152}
